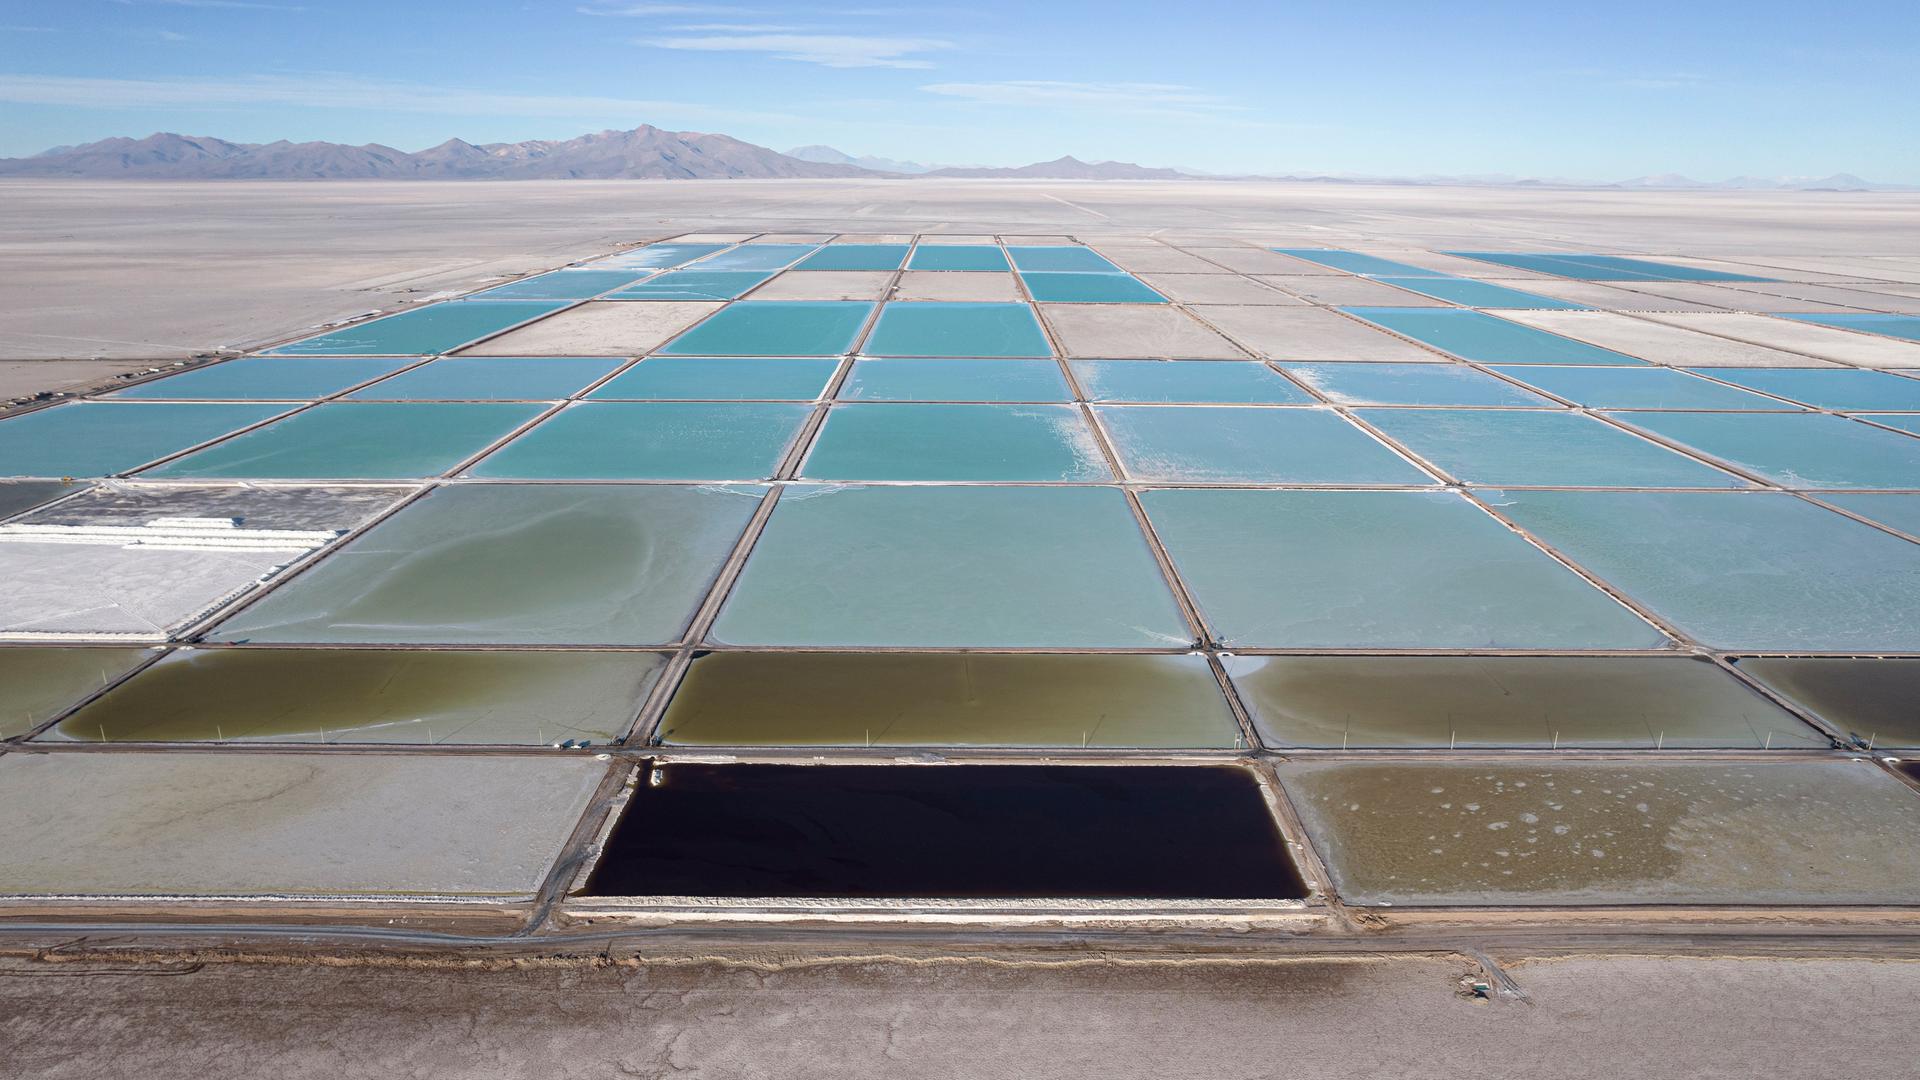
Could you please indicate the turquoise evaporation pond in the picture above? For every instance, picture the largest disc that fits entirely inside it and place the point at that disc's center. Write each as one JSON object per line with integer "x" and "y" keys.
{"x": 1200, "y": 382}
{"x": 1474, "y": 335}
{"x": 1061, "y": 257}
{"x": 358, "y": 440}
{"x": 1378, "y": 569}
{"x": 1644, "y": 387}
{"x": 1907, "y": 423}
{"x": 957, "y": 257}
{"x": 694, "y": 283}
{"x": 1411, "y": 384}
{"x": 944, "y": 442}
{"x": 1761, "y": 571}
{"x": 1354, "y": 262}
{"x": 1601, "y": 267}
{"x": 757, "y": 257}
{"x": 660, "y": 256}
{"x": 856, "y": 257}
{"x": 957, "y": 329}
{"x": 721, "y": 378}
{"x": 502, "y": 564}
{"x": 1530, "y": 448}
{"x": 103, "y": 438}
{"x": 1900, "y": 326}
{"x": 775, "y": 328}
{"x": 952, "y": 567}
{"x": 491, "y": 378}
{"x": 1839, "y": 389}
{"x": 1077, "y": 288}
{"x": 922, "y": 379}
{"x": 1252, "y": 444}
{"x": 1900, "y": 511}
{"x": 1482, "y": 294}
{"x": 563, "y": 285}
{"x": 269, "y": 378}
{"x": 651, "y": 440}
{"x": 1794, "y": 450}
{"x": 423, "y": 331}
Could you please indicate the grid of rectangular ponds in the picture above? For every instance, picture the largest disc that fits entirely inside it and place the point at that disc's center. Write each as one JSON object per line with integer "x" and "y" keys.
{"x": 1444, "y": 608}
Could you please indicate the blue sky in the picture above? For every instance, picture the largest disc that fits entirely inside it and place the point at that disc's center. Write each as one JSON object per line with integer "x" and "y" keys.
{"x": 1595, "y": 91}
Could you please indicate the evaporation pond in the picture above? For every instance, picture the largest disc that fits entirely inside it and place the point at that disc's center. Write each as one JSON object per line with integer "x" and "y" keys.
{"x": 652, "y": 440}
{"x": 1644, "y": 387}
{"x": 436, "y": 328}
{"x": 1795, "y": 450}
{"x": 1200, "y": 382}
{"x": 37, "y": 683}
{"x": 1840, "y": 389}
{"x": 1521, "y": 701}
{"x": 491, "y": 378}
{"x": 272, "y": 825}
{"x": 101, "y": 438}
{"x": 20, "y": 495}
{"x": 409, "y": 696}
{"x": 958, "y": 257}
{"x": 1052, "y": 287}
{"x": 694, "y": 283}
{"x": 1355, "y": 262}
{"x": 1605, "y": 833}
{"x": 660, "y": 256}
{"x": 1061, "y": 257}
{"x": 266, "y": 378}
{"x": 359, "y": 440}
{"x": 921, "y": 379}
{"x": 955, "y": 831}
{"x": 1249, "y": 444}
{"x": 1738, "y": 571}
{"x": 1876, "y": 700}
{"x": 756, "y": 257}
{"x": 957, "y": 329}
{"x": 931, "y": 699}
{"x": 775, "y": 328}
{"x": 1900, "y": 326}
{"x": 1541, "y": 449}
{"x": 563, "y": 285}
{"x": 1470, "y": 293}
{"x": 1474, "y": 335}
{"x": 1377, "y": 569}
{"x": 1411, "y": 384}
{"x": 855, "y": 257}
{"x": 932, "y": 441}
{"x": 721, "y": 378}
{"x": 485, "y": 564}
{"x": 952, "y": 567}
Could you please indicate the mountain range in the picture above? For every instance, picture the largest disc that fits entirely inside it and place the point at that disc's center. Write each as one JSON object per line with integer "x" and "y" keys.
{"x": 651, "y": 153}
{"x": 645, "y": 153}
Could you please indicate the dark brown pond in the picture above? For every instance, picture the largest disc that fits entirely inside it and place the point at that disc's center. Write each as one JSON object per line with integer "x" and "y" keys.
{"x": 962, "y": 831}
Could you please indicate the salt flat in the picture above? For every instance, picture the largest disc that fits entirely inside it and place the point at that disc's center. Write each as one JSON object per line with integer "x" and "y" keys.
{"x": 162, "y": 271}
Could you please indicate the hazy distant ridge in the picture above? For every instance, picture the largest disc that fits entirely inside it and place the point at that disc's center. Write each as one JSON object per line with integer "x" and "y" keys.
{"x": 1072, "y": 168}
{"x": 646, "y": 152}
{"x": 650, "y": 153}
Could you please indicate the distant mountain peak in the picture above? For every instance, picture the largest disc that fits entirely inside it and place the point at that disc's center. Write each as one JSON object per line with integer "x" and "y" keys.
{"x": 827, "y": 155}
{"x": 1068, "y": 167}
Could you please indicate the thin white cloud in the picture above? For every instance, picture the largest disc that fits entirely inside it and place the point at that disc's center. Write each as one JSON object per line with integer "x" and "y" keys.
{"x": 736, "y": 28}
{"x": 641, "y": 11}
{"x": 827, "y": 50}
{"x": 1100, "y": 95}
{"x": 228, "y": 5}
{"x": 340, "y": 92}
